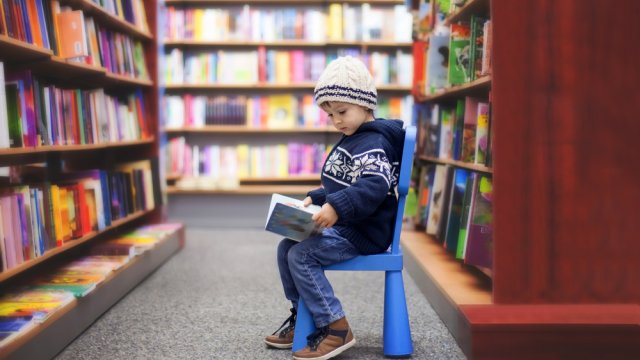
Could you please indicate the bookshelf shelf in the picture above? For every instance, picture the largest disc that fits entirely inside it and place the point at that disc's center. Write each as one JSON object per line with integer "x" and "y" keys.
{"x": 481, "y": 85}
{"x": 26, "y": 154}
{"x": 470, "y": 7}
{"x": 288, "y": 179}
{"x": 49, "y": 338}
{"x": 263, "y": 86}
{"x": 223, "y": 129}
{"x": 244, "y": 190}
{"x": 458, "y": 164}
{"x": 8, "y": 274}
{"x": 104, "y": 17}
{"x": 281, "y": 2}
{"x": 284, "y": 43}
{"x": 16, "y": 51}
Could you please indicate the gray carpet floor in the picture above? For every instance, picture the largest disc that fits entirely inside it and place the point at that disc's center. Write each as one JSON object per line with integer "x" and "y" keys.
{"x": 219, "y": 297}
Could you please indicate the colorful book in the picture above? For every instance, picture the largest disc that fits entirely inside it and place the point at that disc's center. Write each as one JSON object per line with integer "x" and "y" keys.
{"x": 482, "y": 134}
{"x": 455, "y": 209}
{"x": 480, "y": 240}
{"x": 38, "y": 303}
{"x": 290, "y": 218}
{"x": 467, "y": 204}
{"x": 459, "y": 47}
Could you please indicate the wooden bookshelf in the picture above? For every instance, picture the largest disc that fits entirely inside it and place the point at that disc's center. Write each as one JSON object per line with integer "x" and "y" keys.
{"x": 285, "y": 43}
{"x": 282, "y": 2}
{"x": 44, "y": 163}
{"x": 471, "y": 7}
{"x": 49, "y": 338}
{"x": 112, "y": 21}
{"x": 265, "y": 137}
{"x": 14, "y": 156}
{"x": 244, "y": 190}
{"x": 561, "y": 286}
{"x": 481, "y": 85}
{"x": 230, "y": 129}
{"x": 456, "y": 163}
{"x": 8, "y": 274}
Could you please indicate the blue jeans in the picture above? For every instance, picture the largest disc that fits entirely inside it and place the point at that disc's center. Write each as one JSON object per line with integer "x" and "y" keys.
{"x": 300, "y": 265}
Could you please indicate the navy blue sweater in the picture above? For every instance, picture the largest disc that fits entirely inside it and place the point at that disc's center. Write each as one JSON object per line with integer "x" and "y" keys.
{"x": 359, "y": 180}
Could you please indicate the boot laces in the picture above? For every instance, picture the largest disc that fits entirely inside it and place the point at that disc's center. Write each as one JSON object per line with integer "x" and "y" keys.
{"x": 290, "y": 324}
{"x": 316, "y": 337}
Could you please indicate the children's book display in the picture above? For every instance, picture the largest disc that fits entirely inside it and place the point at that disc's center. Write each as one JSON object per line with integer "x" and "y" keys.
{"x": 290, "y": 218}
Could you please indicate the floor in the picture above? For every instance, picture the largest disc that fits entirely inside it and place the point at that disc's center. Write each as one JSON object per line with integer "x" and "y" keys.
{"x": 220, "y": 295}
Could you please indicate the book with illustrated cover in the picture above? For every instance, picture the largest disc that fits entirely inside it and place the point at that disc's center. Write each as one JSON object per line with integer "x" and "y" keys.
{"x": 37, "y": 303}
{"x": 290, "y": 218}
{"x": 13, "y": 326}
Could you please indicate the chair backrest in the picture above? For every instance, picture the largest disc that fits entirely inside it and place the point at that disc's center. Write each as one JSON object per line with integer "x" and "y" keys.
{"x": 404, "y": 181}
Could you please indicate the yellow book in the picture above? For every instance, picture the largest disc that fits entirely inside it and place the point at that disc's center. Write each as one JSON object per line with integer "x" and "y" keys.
{"x": 283, "y": 67}
{"x": 198, "y": 14}
{"x": 244, "y": 162}
{"x": 282, "y": 160}
{"x": 334, "y": 22}
{"x": 281, "y": 112}
{"x": 57, "y": 216}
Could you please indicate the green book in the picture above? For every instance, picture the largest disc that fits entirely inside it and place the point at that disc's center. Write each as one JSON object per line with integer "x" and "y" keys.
{"x": 467, "y": 203}
{"x": 13, "y": 115}
{"x": 459, "y": 47}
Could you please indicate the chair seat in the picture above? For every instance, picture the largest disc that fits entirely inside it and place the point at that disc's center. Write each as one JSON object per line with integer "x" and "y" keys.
{"x": 377, "y": 262}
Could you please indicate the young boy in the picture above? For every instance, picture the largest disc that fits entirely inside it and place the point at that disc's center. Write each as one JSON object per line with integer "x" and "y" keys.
{"x": 358, "y": 206}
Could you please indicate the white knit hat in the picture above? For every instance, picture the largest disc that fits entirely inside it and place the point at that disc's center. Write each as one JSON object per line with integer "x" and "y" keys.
{"x": 346, "y": 79}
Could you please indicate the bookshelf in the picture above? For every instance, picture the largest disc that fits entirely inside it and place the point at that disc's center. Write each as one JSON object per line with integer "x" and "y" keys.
{"x": 264, "y": 86}
{"x": 55, "y": 154}
{"x": 564, "y": 199}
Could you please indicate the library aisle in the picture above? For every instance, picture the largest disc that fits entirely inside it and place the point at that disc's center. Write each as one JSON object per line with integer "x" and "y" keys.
{"x": 219, "y": 296}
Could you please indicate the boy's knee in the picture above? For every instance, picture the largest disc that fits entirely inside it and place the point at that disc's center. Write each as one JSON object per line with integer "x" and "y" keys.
{"x": 284, "y": 246}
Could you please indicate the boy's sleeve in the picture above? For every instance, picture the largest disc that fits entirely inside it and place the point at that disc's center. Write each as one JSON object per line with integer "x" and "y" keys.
{"x": 363, "y": 197}
{"x": 318, "y": 196}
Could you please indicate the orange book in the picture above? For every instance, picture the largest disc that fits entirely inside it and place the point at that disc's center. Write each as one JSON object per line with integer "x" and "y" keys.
{"x": 72, "y": 34}
{"x": 3, "y": 24}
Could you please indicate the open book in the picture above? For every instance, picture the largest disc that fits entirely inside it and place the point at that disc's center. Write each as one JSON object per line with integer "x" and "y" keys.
{"x": 290, "y": 218}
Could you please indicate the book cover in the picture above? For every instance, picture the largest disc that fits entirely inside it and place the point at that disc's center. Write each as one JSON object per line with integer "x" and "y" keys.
{"x": 32, "y": 302}
{"x": 455, "y": 209}
{"x": 469, "y": 129}
{"x": 290, "y": 218}
{"x": 482, "y": 133}
{"x": 480, "y": 239}
{"x": 467, "y": 203}
{"x": 72, "y": 34}
{"x": 13, "y": 326}
{"x": 437, "y": 62}
{"x": 439, "y": 201}
{"x": 459, "y": 47}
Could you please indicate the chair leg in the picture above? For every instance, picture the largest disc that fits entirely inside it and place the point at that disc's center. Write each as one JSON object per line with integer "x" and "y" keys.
{"x": 304, "y": 326}
{"x": 396, "y": 332}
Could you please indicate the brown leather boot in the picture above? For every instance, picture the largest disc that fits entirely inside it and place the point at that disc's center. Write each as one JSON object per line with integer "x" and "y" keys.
{"x": 283, "y": 337}
{"x": 327, "y": 342}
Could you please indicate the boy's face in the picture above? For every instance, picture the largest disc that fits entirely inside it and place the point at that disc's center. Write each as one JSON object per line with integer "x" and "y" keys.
{"x": 346, "y": 117}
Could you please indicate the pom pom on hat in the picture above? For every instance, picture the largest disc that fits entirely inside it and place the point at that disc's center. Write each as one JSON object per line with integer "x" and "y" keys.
{"x": 346, "y": 79}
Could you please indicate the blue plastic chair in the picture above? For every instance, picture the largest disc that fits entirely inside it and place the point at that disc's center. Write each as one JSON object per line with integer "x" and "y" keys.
{"x": 396, "y": 331}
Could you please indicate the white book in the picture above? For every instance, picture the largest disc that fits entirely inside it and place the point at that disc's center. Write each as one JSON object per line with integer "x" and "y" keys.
{"x": 4, "y": 120}
{"x": 289, "y": 217}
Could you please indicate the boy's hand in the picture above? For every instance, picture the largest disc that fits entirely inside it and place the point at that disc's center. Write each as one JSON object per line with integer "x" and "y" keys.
{"x": 326, "y": 217}
{"x": 307, "y": 201}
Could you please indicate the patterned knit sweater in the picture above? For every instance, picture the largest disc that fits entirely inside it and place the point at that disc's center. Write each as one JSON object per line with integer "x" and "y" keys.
{"x": 359, "y": 180}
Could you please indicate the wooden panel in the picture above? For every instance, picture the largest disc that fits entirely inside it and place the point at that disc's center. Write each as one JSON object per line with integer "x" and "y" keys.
{"x": 553, "y": 331}
{"x": 564, "y": 119}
